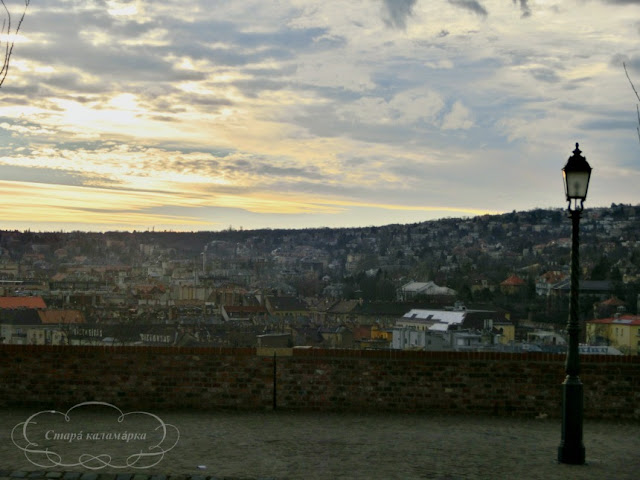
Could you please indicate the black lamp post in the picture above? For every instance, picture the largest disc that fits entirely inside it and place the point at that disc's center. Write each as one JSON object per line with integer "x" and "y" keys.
{"x": 576, "y": 175}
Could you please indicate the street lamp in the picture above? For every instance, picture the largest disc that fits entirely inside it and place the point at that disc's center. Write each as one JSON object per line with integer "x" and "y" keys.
{"x": 576, "y": 174}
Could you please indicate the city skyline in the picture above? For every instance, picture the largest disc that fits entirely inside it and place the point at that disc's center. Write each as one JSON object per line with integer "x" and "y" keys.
{"x": 133, "y": 115}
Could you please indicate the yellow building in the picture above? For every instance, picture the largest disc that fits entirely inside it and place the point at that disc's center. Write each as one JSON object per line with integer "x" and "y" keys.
{"x": 622, "y": 332}
{"x": 378, "y": 333}
{"x": 507, "y": 332}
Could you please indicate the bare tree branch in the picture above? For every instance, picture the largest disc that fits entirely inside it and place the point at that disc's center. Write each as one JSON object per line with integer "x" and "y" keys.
{"x": 624, "y": 65}
{"x": 10, "y": 37}
{"x": 638, "y": 127}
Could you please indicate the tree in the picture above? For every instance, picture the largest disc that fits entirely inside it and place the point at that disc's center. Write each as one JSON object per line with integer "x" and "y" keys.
{"x": 9, "y": 33}
{"x": 637, "y": 96}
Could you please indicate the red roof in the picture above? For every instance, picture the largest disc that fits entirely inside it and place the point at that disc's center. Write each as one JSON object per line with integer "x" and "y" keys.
{"x": 513, "y": 281}
{"x": 22, "y": 302}
{"x": 633, "y": 320}
{"x": 613, "y": 301}
{"x": 553, "y": 276}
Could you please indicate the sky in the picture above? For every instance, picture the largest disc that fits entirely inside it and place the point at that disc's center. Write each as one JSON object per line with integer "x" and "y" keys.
{"x": 208, "y": 115}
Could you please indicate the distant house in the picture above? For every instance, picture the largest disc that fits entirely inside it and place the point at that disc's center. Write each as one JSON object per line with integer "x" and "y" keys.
{"x": 609, "y": 307}
{"x": 241, "y": 313}
{"x": 344, "y": 311}
{"x": 434, "y": 320}
{"x": 337, "y": 337}
{"x": 543, "y": 337}
{"x": 61, "y": 317}
{"x": 412, "y": 289}
{"x": 481, "y": 283}
{"x": 406, "y": 338}
{"x": 505, "y": 331}
{"x": 383, "y": 314}
{"x": 17, "y": 315}
{"x": 305, "y": 335}
{"x": 455, "y": 318}
{"x": 151, "y": 294}
{"x": 275, "y": 340}
{"x": 54, "y": 327}
{"x": 546, "y": 281}
{"x": 599, "y": 288}
{"x": 286, "y": 307}
{"x": 512, "y": 285}
{"x": 361, "y": 332}
{"x": 9, "y": 303}
{"x": 25, "y": 320}
{"x": 371, "y": 337}
{"x": 620, "y": 331}
{"x": 228, "y": 294}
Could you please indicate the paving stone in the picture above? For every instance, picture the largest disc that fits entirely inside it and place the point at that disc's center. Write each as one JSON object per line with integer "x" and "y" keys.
{"x": 89, "y": 476}
{"x": 54, "y": 475}
{"x": 124, "y": 476}
{"x": 19, "y": 474}
{"x": 107, "y": 476}
{"x": 140, "y": 476}
{"x": 72, "y": 476}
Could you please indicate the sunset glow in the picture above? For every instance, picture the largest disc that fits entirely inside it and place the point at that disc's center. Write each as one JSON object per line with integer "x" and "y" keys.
{"x": 137, "y": 114}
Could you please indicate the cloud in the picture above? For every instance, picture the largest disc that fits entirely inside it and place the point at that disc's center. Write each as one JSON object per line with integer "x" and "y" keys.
{"x": 470, "y": 5}
{"x": 458, "y": 118}
{"x": 398, "y": 11}
{"x": 405, "y": 108}
{"x": 149, "y": 108}
{"x": 545, "y": 75}
{"x": 524, "y": 7}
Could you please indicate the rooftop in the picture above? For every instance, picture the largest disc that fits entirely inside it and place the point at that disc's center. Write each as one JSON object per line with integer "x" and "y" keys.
{"x": 619, "y": 320}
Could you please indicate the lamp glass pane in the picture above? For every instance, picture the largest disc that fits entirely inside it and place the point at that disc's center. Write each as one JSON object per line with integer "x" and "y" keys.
{"x": 576, "y": 184}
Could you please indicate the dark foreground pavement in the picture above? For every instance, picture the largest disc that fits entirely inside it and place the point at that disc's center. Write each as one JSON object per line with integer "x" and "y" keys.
{"x": 282, "y": 445}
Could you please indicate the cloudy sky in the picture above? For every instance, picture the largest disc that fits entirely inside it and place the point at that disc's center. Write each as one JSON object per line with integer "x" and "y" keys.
{"x": 141, "y": 114}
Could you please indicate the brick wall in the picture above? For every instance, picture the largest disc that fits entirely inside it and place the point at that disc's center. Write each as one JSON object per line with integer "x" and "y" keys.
{"x": 323, "y": 380}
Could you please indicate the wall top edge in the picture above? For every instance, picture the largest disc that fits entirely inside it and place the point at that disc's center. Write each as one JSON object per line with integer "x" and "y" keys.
{"x": 318, "y": 353}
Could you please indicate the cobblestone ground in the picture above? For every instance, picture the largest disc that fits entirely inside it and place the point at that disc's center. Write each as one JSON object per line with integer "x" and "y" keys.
{"x": 332, "y": 446}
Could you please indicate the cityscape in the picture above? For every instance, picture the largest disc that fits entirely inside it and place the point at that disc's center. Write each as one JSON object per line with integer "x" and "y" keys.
{"x": 493, "y": 282}
{"x": 322, "y": 239}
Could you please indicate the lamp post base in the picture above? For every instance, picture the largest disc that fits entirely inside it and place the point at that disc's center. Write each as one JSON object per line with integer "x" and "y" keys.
{"x": 571, "y": 456}
{"x": 571, "y": 449}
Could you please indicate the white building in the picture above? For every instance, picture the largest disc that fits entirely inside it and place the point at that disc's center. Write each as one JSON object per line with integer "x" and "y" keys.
{"x": 413, "y": 289}
{"x": 434, "y": 320}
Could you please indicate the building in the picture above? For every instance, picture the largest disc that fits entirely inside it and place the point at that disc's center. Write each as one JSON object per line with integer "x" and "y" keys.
{"x": 434, "y": 320}
{"x": 512, "y": 285}
{"x": 248, "y": 313}
{"x": 275, "y": 340}
{"x": 408, "y": 338}
{"x": 337, "y": 337}
{"x": 546, "y": 281}
{"x": 451, "y": 329}
{"x": 620, "y": 331}
{"x": 601, "y": 289}
{"x": 286, "y": 307}
{"x": 415, "y": 289}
